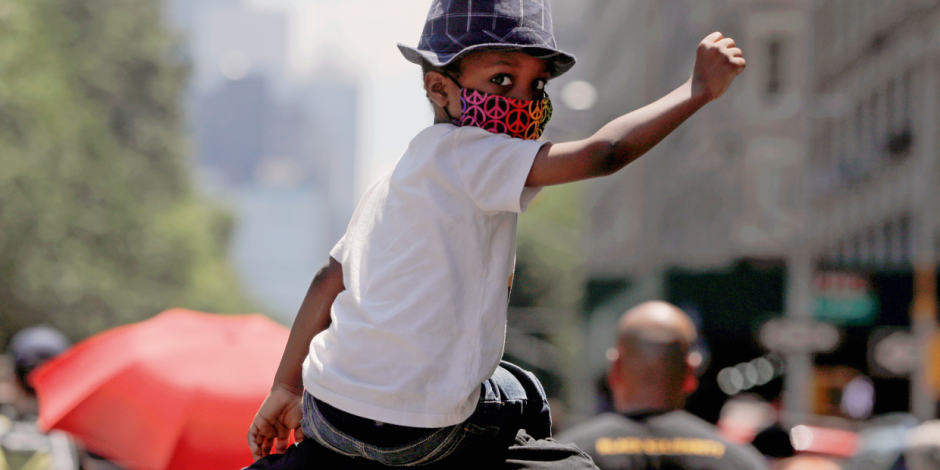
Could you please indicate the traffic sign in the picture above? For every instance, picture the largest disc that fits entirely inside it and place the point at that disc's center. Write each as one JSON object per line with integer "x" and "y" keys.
{"x": 844, "y": 298}
{"x": 791, "y": 335}
{"x": 892, "y": 352}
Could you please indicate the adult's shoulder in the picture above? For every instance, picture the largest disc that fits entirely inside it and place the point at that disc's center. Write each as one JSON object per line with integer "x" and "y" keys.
{"x": 603, "y": 425}
{"x": 681, "y": 422}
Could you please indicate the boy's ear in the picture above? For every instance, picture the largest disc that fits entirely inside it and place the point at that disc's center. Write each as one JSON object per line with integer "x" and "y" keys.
{"x": 434, "y": 86}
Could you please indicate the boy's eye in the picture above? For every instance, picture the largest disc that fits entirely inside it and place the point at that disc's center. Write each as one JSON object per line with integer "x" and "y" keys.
{"x": 502, "y": 80}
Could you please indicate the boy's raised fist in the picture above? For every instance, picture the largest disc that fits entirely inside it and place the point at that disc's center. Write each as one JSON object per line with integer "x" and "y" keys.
{"x": 717, "y": 62}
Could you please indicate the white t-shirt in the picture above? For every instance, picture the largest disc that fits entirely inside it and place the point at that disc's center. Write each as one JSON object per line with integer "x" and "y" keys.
{"x": 427, "y": 260}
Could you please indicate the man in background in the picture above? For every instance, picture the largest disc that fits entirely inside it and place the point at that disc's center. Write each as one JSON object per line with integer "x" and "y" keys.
{"x": 22, "y": 444}
{"x": 29, "y": 348}
{"x": 923, "y": 447}
{"x": 650, "y": 378}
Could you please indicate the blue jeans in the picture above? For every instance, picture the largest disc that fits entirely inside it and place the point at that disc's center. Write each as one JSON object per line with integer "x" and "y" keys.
{"x": 510, "y": 400}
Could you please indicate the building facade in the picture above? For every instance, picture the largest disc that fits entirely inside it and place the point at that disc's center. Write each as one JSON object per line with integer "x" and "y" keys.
{"x": 818, "y": 168}
{"x": 707, "y": 218}
{"x": 874, "y": 195}
{"x": 278, "y": 148}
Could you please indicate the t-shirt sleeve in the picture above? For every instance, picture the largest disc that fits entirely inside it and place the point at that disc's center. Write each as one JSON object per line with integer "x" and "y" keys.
{"x": 337, "y": 251}
{"x": 494, "y": 167}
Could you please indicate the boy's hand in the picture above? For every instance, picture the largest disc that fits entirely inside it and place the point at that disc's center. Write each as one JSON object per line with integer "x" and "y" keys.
{"x": 279, "y": 415}
{"x": 717, "y": 62}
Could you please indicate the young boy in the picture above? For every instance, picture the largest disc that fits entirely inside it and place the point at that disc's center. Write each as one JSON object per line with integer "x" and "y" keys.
{"x": 398, "y": 341}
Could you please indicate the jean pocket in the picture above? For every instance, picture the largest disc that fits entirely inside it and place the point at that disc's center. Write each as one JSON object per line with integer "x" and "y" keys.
{"x": 478, "y": 430}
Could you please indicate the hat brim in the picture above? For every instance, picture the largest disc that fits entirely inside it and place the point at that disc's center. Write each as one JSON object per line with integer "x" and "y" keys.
{"x": 561, "y": 61}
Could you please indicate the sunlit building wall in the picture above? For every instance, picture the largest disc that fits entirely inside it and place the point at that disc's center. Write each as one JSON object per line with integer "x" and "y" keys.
{"x": 727, "y": 183}
{"x": 874, "y": 127}
{"x": 874, "y": 193}
{"x": 727, "y": 186}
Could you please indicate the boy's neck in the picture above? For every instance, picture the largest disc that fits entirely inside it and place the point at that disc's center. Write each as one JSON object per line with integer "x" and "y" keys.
{"x": 440, "y": 117}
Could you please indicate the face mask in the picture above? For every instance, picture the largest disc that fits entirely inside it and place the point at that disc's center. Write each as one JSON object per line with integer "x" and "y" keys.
{"x": 523, "y": 119}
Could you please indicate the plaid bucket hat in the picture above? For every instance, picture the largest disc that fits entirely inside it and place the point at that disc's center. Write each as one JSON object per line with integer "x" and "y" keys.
{"x": 457, "y": 27}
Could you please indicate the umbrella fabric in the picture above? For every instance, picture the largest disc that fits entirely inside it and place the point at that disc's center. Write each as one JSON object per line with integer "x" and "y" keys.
{"x": 177, "y": 391}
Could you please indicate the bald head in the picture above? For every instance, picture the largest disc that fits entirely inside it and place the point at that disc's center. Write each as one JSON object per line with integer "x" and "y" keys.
{"x": 656, "y": 324}
{"x": 652, "y": 368}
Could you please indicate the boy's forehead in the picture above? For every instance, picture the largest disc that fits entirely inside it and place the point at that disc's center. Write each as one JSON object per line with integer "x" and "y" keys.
{"x": 508, "y": 58}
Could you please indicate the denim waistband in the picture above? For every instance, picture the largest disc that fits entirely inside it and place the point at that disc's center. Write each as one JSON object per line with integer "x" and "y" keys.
{"x": 511, "y": 399}
{"x": 370, "y": 431}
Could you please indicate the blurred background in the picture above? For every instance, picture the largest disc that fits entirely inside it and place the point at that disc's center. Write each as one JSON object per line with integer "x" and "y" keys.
{"x": 207, "y": 154}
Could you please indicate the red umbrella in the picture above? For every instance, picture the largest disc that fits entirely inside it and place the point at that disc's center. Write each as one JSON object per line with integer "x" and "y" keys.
{"x": 177, "y": 391}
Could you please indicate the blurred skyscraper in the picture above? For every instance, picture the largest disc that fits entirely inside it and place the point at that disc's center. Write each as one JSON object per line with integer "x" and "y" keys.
{"x": 278, "y": 148}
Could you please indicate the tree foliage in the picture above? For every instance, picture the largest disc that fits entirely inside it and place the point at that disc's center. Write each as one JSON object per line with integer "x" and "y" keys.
{"x": 99, "y": 224}
{"x": 549, "y": 258}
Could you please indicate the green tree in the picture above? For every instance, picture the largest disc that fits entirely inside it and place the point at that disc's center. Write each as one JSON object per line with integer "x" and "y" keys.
{"x": 549, "y": 281}
{"x": 99, "y": 223}
{"x": 549, "y": 269}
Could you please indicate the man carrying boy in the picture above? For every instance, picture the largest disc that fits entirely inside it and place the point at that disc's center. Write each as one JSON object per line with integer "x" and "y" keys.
{"x": 395, "y": 353}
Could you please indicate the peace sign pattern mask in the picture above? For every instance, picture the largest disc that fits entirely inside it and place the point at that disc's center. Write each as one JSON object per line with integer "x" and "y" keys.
{"x": 524, "y": 119}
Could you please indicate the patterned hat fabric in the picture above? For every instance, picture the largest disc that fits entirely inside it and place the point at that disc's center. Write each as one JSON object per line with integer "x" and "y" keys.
{"x": 457, "y": 27}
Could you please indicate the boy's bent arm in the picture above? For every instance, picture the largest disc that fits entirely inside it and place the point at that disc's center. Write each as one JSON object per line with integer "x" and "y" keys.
{"x": 281, "y": 411}
{"x": 312, "y": 318}
{"x": 630, "y": 136}
{"x": 616, "y": 144}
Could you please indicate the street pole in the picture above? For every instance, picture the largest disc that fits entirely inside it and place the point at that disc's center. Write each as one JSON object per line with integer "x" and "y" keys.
{"x": 924, "y": 257}
{"x": 924, "y": 323}
{"x": 798, "y": 379}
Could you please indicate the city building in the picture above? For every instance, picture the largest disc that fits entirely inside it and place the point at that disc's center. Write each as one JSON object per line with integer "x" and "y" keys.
{"x": 873, "y": 211}
{"x": 718, "y": 203}
{"x": 277, "y": 148}
{"x": 809, "y": 191}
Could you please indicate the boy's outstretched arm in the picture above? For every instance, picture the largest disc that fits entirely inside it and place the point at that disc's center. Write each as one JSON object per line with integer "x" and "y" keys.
{"x": 628, "y": 137}
{"x": 281, "y": 411}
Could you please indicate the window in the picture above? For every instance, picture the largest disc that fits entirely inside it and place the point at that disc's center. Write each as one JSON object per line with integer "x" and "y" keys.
{"x": 875, "y": 247}
{"x": 889, "y": 242}
{"x": 774, "y": 85}
{"x": 860, "y": 139}
{"x": 891, "y": 115}
{"x": 855, "y": 250}
{"x": 878, "y": 128}
{"x": 841, "y": 138}
{"x": 825, "y": 21}
{"x": 904, "y": 239}
{"x": 825, "y": 150}
{"x": 824, "y": 159}
{"x": 900, "y": 135}
{"x": 838, "y": 29}
{"x": 906, "y": 84}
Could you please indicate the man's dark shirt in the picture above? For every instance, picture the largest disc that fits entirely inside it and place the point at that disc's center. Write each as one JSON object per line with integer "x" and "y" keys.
{"x": 659, "y": 440}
